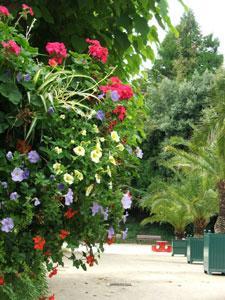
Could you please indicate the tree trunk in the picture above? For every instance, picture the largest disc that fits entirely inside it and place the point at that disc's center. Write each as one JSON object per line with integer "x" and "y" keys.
{"x": 220, "y": 222}
{"x": 179, "y": 234}
{"x": 199, "y": 226}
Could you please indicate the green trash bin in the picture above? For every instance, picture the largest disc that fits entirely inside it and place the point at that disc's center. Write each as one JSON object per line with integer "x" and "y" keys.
{"x": 195, "y": 249}
{"x": 179, "y": 247}
{"x": 214, "y": 253}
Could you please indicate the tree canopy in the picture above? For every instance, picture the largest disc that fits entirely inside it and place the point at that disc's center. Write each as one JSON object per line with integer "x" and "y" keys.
{"x": 180, "y": 56}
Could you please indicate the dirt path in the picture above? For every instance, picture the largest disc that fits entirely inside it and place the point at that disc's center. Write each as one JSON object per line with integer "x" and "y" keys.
{"x": 133, "y": 272}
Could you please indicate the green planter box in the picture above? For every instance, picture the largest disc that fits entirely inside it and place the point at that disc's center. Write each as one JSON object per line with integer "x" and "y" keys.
{"x": 195, "y": 249}
{"x": 179, "y": 247}
{"x": 214, "y": 253}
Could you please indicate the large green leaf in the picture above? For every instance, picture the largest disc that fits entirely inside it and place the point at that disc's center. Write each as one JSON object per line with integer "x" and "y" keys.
{"x": 10, "y": 91}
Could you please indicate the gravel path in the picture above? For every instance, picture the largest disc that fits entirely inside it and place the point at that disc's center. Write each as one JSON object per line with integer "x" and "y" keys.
{"x": 133, "y": 272}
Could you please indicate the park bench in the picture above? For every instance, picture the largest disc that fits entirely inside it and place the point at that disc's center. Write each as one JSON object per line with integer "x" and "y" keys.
{"x": 147, "y": 238}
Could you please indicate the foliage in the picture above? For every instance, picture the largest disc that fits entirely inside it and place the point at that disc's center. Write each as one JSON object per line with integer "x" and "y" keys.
{"x": 190, "y": 198}
{"x": 67, "y": 158}
{"x": 121, "y": 26}
{"x": 180, "y": 57}
{"x": 173, "y": 108}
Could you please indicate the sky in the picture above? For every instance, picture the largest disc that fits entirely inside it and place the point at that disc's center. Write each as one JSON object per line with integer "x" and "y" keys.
{"x": 209, "y": 14}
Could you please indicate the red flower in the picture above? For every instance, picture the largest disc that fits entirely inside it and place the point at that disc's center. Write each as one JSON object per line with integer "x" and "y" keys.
{"x": 124, "y": 90}
{"x": 52, "y": 297}
{"x": 39, "y": 242}
{"x": 112, "y": 124}
{"x": 70, "y": 213}
{"x": 2, "y": 281}
{"x": 90, "y": 260}
{"x": 4, "y": 11}
{"x": 48, "y": 253}
{"x": 63, "y": 234}
{"x": 28, "y": 9}
{"x": 52, "y": 62}
{"x": 12, "y": 47}
{"x": 110, "y": 241}
{"x": 120, "y": 111}
{"x": 115, "y": 80}
{"x": 57, "y": 51}
{"x": 53, "y": 272}
{"x": 97, "y": 51}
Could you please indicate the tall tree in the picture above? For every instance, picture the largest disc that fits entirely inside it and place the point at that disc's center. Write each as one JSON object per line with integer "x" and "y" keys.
{"x": 179, "y": 57}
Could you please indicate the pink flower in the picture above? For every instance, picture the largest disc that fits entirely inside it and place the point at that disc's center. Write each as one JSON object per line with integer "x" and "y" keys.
{"x": 4, "y": 11}
{"x": 97, "y": 51}
{"x": 124, "y": 90}
{"x": 57, "y": 51}
{"x": 28, "y": 9}
{"x": 12, "y": 47}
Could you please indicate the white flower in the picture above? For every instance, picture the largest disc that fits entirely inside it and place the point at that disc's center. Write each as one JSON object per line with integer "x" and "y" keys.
{"x": 95, "y": 128}
{"x": 83, "y": 132}
{"x": 89, "y": 189}
{"x": 98, "y": 146}
{"x": 72, "y": 142}
{"x": 110, "y": 185}
{"x": 68, "y": 178}
{"x": 112, "y": 160}
{"x": 96, "y": 155}
{"x": 78, "y": 175}
{"x": 58, "y": 150}
{"x": 62, "y": 117}
{"x": 102, "y": 139}
{"x": 120, "y": 147}
{"x": 115, "y": 137}
{"x": 97, "y": 178}
{"x": 57, "y": 167}
{"x": 79, "y": 150}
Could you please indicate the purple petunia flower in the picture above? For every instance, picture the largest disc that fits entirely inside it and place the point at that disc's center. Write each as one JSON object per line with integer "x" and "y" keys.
{"x": 52, "y": 177}
{"x": 14, "y": 196}
{"x": 111, "y": 232}
{"x": 124, "y": 218}
{"x": 100, "y": 115}
{"x": 115, "y": 96}
{"x": 101, "y": 96}
{"x": 4, "y": 184}
{"x": 124, "y": 234}
{"x": 27, "y": 77}
{"x": 96, "y": 208}
{"x": 17, "y": 175}
{"x": 139, "y": 152}
{"x": 33, "y": 157}
{"x": 60, "y": 186}
{"x": 69, "y": 197}
{"x": 9, "y": 155}
{"x": 51, "y": 110}
{"x": 26, "y": 174}
{"x": 126, "y": 200}
{"x": 36, "y": 201}
{"x": 7, "y": 224}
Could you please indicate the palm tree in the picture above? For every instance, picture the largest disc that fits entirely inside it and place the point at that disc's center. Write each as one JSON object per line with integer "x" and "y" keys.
{"x": 189, "y": 199}
{"x": 164, "y": 210}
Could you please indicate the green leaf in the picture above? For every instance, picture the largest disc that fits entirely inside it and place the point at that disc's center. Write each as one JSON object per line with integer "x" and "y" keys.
{"x": 11, "y": 92}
